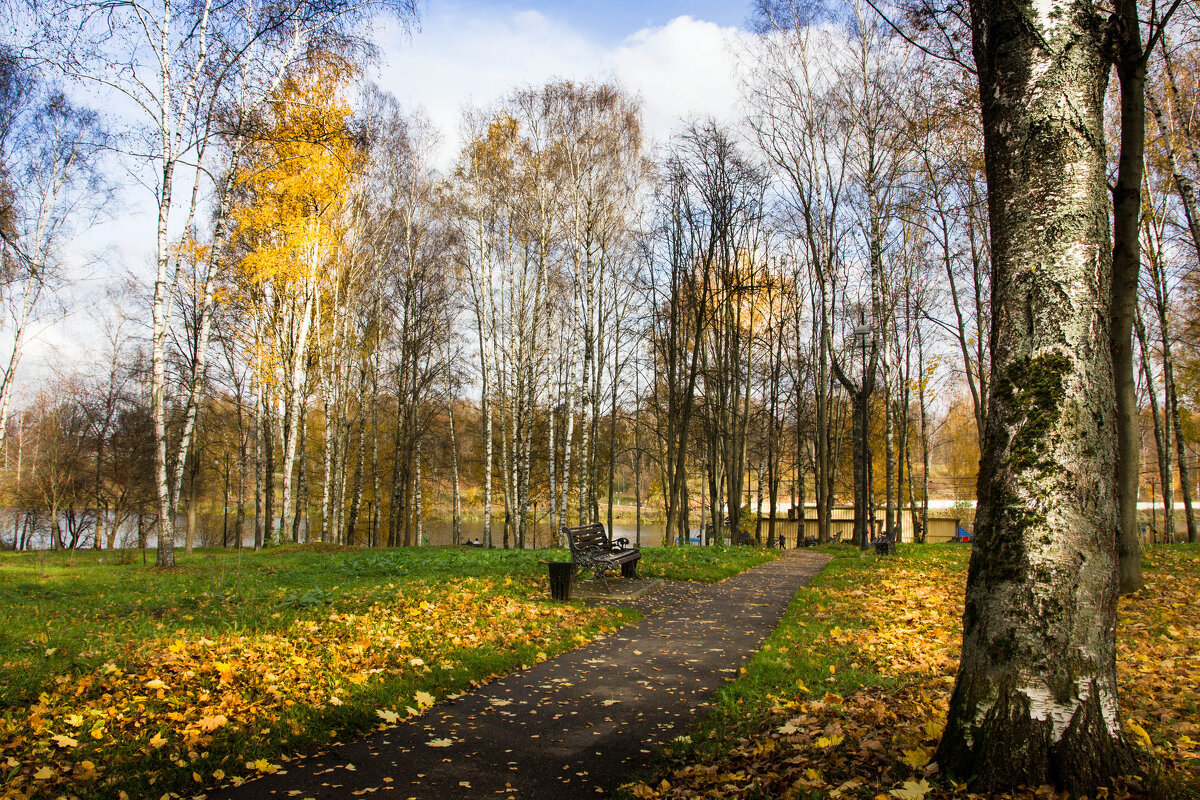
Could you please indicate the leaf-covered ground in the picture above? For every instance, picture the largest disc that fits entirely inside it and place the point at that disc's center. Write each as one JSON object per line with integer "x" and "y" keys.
{"x": 849, "y": 697}
{"x": 121, "y": 681}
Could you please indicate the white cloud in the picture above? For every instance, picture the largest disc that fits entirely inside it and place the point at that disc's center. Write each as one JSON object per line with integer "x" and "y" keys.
{"x": 682, "y": 69}
{"x": 459, "y": 58}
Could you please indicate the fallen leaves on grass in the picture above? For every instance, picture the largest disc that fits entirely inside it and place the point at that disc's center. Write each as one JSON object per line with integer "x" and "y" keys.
{"x": 1158, "y": 658}
{"x": 175, "y": 699}
{"x": 877, "y": 742}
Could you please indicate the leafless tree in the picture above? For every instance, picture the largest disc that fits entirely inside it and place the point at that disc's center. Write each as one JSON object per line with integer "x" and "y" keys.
{"x": 54, "y": 189}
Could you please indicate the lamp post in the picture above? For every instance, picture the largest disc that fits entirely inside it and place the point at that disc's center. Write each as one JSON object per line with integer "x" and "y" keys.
{"x": 862, "y": 337}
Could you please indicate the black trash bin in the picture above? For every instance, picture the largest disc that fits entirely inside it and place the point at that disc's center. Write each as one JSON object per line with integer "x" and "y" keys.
{"x": 560, "y": 579}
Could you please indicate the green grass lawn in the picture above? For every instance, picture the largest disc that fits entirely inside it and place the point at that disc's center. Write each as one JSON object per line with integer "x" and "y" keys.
{"x": 74, "y": 611}
{"x": 119, "y": 676}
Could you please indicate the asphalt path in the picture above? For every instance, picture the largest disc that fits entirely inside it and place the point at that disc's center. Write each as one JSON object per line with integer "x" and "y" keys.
{"x": 574, "y": 726}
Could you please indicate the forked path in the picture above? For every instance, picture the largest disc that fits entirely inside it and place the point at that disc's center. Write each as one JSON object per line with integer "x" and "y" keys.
{"x": 574, "y": 726}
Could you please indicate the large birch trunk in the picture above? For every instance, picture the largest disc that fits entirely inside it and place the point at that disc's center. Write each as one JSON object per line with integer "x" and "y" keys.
{"x": 1035, "y": 701}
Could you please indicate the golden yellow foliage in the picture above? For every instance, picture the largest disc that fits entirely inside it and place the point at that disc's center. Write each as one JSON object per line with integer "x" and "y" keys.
{"x": 291, "y": 222}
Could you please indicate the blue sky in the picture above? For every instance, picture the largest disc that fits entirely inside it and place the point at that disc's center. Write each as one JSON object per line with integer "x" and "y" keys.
{"x": 613, "y": 21}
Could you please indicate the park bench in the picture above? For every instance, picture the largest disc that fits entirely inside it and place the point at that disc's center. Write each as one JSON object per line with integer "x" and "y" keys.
{"x": 885, "y": 545}
{"x": 834, "y": 538}
{"x": 591, "y": 548}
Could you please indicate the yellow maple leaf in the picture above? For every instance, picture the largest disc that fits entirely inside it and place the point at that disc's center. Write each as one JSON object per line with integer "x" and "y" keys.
{"x": 211, "y": 723}
{"x": 64, "y": 741}
{"x": 390, "y": 717}
{"x": 74, "y": 720}
{"x": 157, "y": 741}
{"x": 830, "y": 741}
{"x": 423, "y": 699}
{"x": 225, "y": 670}
{"x": 43, "y": 774}
{"x": 915, "y": 758}
{"x": 912, "y": 790}
{"x": 154, "y": 683}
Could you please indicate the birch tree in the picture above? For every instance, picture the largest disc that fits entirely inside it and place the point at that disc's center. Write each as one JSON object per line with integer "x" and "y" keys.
{"x": 54, "y": 189}
{"x": 289, "y": 229}
{"x": 1035, "y": 699}
{"x": 179, "y": 67}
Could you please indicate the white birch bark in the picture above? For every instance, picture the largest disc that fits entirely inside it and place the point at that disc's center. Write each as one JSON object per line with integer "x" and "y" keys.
{"x": 1036, "y": 700}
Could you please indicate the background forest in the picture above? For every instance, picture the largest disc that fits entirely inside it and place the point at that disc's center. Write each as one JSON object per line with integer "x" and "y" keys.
{"x": 339, "y": 341}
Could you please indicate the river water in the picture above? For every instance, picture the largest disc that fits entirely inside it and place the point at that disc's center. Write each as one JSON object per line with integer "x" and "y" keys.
{"x": 436, "y": 532}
